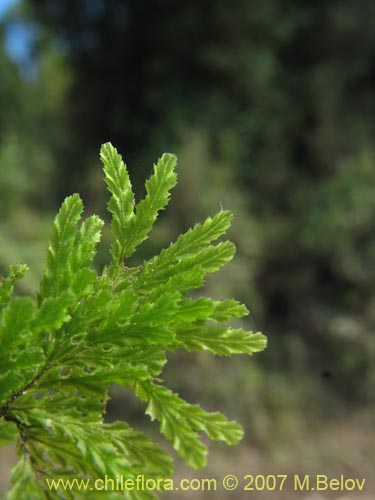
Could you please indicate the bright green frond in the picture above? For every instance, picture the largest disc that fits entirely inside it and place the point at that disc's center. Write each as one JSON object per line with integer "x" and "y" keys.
{"x": 16, "y": 272}
{"x": 205, "y": 309}
{"x": 20, "y": 355}
{"x": 121, "y": 202}
{"x": 86, "y": 241}
{"x": 190, "y": 252}
{"x": 226, "y": 309}
{"x": 181, "y": 422}
{"x": 60, "y": 354}
{"x": 221, "y": 341}
{"x": 25, "y": 481}
{"x": 58, "y": 273}
{"x": 8, "y": 432}
{"x": 158, "y": 189}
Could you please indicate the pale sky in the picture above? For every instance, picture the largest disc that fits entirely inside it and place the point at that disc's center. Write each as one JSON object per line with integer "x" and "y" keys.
{"x": 5, "y": 4}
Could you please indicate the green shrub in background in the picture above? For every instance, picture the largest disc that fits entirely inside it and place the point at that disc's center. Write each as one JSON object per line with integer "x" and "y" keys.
{"x": 59, "y": 353}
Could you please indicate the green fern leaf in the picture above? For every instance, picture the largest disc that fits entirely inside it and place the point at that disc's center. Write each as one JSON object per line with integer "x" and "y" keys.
{"x": 58, "y": 274}
{"x": 121, "y": 203}
{"x": 131, "y": 229}
{"x": 85, "y": 244}
{"x": 191, "y": 253}
{"x": 8, "y": 432}
{"x": 16, "y": 273}
{"x": 20, "y": 357}
{"x": 25, "y": 482}
{"x": 181, "y": 422}
{"x": 221, "y": 341}
{"x": 59, "y": 354}
{"x": 158, "y": 189}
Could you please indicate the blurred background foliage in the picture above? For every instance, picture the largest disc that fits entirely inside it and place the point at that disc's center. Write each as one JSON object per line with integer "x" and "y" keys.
{"x": 269, "y": 106}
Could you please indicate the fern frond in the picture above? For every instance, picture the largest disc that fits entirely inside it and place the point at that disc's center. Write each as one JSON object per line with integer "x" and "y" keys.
{"x": 25, "y": 481}
{"x": 20, "y": 358}
{"x": 191, "y": 252}
{"x": 181, "y": 422}
{"x": 221, "y": 341}
{"x": 58, "y": 274}
{"x": 59, "y": 354}
{"x": 16, "y": 273}
{"x": 86, "y": 241}
{"x": 8, "y": 432}
{"x": 131, "y": 228}
{"x": 121, "y": 202}
{"x": 158, "y": 189}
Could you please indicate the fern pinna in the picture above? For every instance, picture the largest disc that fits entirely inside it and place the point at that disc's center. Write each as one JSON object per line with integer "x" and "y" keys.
{"x": 60, "y": 352}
